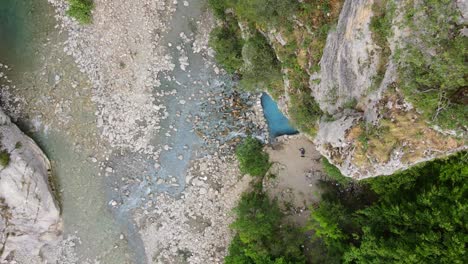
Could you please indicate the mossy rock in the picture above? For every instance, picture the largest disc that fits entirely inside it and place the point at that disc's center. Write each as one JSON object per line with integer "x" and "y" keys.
{"x": 4, "y": 158}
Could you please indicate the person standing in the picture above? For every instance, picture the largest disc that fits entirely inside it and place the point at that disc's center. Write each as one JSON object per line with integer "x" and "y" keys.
{"x": 302, "y": 150}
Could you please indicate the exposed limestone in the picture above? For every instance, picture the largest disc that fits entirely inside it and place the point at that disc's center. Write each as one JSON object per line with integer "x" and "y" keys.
{"x": 29, "y": 216}
{"x": 347, "y": 65}
{"x": 370, "y": 129}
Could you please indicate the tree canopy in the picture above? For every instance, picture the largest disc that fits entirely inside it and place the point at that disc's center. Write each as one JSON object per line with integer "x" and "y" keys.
{"x": 252, "y": 159}
{"x": 262, "y": 237}
{"x": 417, "y": 216}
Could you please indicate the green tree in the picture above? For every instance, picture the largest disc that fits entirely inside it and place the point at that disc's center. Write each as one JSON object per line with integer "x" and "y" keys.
{"x": 419, "y": 221}
{"x": 261, "y": 236}
{"x": 218, "y": 7}
{"x": 261, "y": 68}
{"x": 81, "y": 10}
{"x": 252, "y": 159}
{"x": 415, "y": 216}
{"x": 227, "y": 43}
{"x": 265, "y": 11}
{"x": 433, "y": 64}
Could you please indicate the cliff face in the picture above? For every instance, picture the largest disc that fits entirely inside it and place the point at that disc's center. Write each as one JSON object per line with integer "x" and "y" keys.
{"x": 29, "y": 216}
{"x": 371, "y": 127}
{"x": 349, "y": 60}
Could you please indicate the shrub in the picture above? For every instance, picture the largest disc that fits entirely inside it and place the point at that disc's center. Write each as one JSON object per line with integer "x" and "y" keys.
{"x": 433, "y": 65}
{"x": 81, "y": 10}
{"x": 18, "y": 145}
{"x": 262, "y": 236}
{"x": 414, "y": 216}
{"x": 304, "y": 112}
{"x": 265, "y": 11}
{"x": 218, "y": 7}
{"x": 381, "y": 22}
{"x": 253, "y": 160}
{"x": 4, "y": 158}
{"x": 333, "y": 172}
{"x": 227, "y": 43}
{"x": 261, "y": 68}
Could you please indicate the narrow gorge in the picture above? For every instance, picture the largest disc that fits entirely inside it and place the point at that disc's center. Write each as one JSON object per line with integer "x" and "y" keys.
{"x": 233, "y": 131}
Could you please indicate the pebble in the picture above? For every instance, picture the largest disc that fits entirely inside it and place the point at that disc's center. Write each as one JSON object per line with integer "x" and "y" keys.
{"x": 160, "y": 181}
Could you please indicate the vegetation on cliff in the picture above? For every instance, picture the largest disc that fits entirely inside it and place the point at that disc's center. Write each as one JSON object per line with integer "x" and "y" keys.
{"x": 432, "y": 64}
{"x": 283, "y": 41}
{"x": 4, "y": 158}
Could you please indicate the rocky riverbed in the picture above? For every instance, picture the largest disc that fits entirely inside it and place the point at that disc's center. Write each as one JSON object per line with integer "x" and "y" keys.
{"x": 140, "y": 126}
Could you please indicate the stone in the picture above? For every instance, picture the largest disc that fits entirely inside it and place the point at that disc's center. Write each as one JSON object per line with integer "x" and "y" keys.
{"x": 31, "y": 208}
{"x": 202, "y": 191}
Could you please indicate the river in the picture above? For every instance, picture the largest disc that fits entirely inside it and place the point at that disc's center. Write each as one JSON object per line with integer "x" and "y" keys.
{"x": 56, "y": 110}
{"x": 58, "y": 114}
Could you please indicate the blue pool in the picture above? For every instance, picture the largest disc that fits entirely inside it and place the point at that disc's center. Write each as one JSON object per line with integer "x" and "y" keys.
{"x": 278, "y": 124}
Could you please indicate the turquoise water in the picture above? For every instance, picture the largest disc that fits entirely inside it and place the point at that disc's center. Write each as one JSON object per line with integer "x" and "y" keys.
{"x": 20, "y": 35}
{"x": 33, "y": 48}
{"x": 278, "y": 124}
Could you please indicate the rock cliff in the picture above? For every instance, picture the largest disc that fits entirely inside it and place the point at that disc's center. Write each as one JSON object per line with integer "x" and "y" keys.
{"x": 29, "y": 215}
{"x": 372, "y": 128}
{"x": 379, "y": 85}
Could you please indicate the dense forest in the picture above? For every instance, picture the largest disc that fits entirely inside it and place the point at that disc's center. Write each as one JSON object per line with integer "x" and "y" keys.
{"x": 415, "y": 216}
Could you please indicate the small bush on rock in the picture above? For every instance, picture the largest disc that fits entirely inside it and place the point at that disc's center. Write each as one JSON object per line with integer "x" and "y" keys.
{"x": 4, "y": 158}
{"x": 261, "y": 69}
{"x": 227, "y": 43}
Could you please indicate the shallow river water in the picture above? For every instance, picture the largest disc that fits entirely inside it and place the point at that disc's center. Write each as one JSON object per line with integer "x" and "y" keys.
{"x": 44, "y": 76}
{"x": 55, "y": 109}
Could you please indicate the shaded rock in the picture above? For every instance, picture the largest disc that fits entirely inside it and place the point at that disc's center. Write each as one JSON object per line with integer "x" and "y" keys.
{"x": 29, "y": 215}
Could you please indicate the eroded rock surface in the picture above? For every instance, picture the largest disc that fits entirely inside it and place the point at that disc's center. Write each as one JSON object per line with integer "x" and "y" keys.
{"x": 370, "y": 128}
{"x": 29, "y": 215}
{"x": 349, "y": 61}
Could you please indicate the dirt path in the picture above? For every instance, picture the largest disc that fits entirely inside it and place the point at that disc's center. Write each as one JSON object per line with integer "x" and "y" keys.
{"x": 296, "y": 177}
